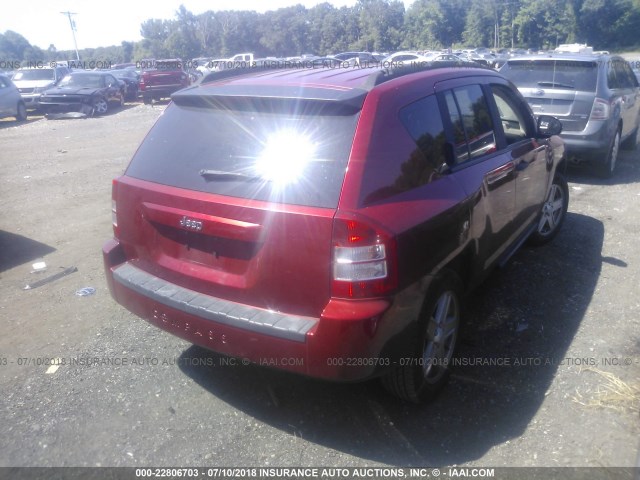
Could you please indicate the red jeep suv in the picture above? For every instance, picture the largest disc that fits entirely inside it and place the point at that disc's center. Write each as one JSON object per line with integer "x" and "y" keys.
{"x": 328, "y": 221}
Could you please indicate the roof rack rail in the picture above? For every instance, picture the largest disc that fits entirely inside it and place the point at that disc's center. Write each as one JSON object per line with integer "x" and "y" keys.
{"x": 379, "y": 73}
{"x": 387, "y": 74}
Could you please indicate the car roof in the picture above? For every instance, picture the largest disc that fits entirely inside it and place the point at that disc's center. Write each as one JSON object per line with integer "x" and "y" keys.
{"x": 339, "y": 79}
{"x": 340, "y": 88}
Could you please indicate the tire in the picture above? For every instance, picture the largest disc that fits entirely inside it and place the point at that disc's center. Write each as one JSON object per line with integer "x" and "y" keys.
{"x": 21, "y": 112}
{"x": 607, "y": 169}
{"x": 631, "y": 143}
{"x": 121, "y": 99}
{"x": 100, "y": 107}
{"x": 427, "y": 370}
{"x": 554, "y": 211}
{"x": 147, "y": 100}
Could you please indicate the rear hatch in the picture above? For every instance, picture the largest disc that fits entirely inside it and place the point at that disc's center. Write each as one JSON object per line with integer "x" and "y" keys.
{"x": 563, "y": 88}
{"x": 234, "y": 196}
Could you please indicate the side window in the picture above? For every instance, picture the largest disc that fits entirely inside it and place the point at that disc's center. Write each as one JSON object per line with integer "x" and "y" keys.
{"x": 624, "y": 72}
{"x": 459, "y": 138}
{"x": 423, "y": 121}
{"x": 632, "y": 76}
{"x": 612, "y": 78}
{"x": 473, "y": 133}
{"x": 514, "y": 123}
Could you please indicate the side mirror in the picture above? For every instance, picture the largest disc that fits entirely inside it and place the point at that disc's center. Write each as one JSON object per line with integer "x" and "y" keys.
{"x": 548, "y": 126}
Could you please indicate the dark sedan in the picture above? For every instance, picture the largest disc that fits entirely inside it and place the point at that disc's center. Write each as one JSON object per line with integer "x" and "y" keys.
{"x": 130, "y": 79}
{"x": 91, "y": 93}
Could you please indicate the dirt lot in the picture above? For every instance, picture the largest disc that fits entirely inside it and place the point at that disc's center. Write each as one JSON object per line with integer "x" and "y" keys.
{"x": 562, "y": 321}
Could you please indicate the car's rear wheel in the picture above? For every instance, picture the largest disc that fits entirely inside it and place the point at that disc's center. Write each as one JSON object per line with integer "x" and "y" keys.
{"x": 147, "y": 99}
{"x": 554, "y": 211}
{"x": 422, "y": 375}
{"x": 608, "y": 168}
{"x": 631, "y": 143}
{"x": 21, "y": 112}
{"x": 100, "y": 106}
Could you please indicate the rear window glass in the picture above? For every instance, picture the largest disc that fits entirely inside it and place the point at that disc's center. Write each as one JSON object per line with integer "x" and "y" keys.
{"x": 35, "y": 74}
{"x": 574, "y": 75}
{"x": 263, "y": 155}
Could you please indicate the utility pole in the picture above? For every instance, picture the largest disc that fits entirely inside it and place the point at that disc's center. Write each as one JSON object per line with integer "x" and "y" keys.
{"x": 72, "y": 24}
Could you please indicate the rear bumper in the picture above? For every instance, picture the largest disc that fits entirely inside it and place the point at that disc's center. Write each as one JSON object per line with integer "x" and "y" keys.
{"x": 255, "y": 320}
{"x": 349, "y": 341}
{"x": 592, "y": 144}
{"x": 160, "y": 91}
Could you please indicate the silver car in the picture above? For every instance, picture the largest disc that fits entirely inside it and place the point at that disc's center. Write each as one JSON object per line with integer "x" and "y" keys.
{"x": 596, "y": 97}
{"x": 11, "y": 103}
{"x": 33, "y": 82}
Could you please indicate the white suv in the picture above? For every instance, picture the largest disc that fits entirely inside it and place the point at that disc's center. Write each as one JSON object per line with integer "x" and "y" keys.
{"x": 33, "y": 82}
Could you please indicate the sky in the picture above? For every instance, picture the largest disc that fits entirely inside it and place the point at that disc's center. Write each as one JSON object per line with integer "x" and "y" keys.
{"x": 101, "y": 24}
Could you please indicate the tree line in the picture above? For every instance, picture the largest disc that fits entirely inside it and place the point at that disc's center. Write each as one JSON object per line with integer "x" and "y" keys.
{"x": 370, "y": 25}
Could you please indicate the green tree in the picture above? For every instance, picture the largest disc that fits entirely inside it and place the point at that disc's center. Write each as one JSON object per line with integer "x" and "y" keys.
{"x": 154, "y": 36}
{"x": 606, "y": 24}
{"x": 207, "y": 33}
{"x": 480, "y": 24}
{"x": 433, "y": 24}
{"x": 381, "y": 23}
{"x": 546, "y": 23}
{"x": 319, "y": 36}
{"x": 285, "y": 31}
{"x": 127, "y": 51}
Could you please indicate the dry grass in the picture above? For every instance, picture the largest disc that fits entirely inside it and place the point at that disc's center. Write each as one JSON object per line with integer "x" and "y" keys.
{"x": 613, "y": 394}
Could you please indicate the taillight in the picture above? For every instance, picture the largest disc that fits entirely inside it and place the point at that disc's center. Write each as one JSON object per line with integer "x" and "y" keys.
{"x": 114, "y": 208}
{"x": 601, "y": 109}
{"x": 363, "y": 260}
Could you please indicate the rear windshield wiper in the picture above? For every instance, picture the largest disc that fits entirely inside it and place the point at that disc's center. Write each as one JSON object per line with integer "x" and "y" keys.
{"x": 222, "y": 175}
{"x": 556, "y": 85}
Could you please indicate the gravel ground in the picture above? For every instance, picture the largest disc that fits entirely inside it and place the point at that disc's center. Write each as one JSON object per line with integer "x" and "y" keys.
{"x": 560, "y": 323}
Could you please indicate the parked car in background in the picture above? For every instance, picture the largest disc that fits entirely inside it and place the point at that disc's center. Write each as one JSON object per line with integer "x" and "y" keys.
{"x": 406, "y": 58}
{"x": 325, "y": 62}
{"x": 596, "y": 97}
{"x": 357, "y": 56}
{"x": 130, "y": 79}
{"x": 465, "y": 57}
{"x": 444, "y": 57}
{"x": 11, "y": 103}
{"x": 89, "y": 92}
{"x": 161, "y": 78}
{"x": 123, "y": 66}
{"x": 33, "y": 82}
{"x": 327, "y": 222}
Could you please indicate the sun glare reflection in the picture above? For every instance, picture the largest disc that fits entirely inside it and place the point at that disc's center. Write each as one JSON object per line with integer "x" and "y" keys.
{"x": 285, "y": 156}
